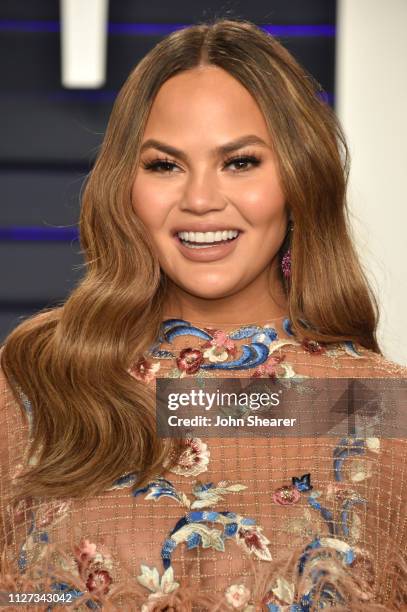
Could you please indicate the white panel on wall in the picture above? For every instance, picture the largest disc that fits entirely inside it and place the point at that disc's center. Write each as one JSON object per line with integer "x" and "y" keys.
{"x": 371, "y": 86}
{"x": 83, "y": 42}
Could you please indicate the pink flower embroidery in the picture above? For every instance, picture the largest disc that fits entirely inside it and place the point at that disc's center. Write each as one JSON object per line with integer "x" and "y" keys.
{"x": 268, "y": 368}
{"x": 222, "y": 340}
{"x": 189, "y": 360}
{"x": 237, "y": 595}
{"x": 286, "y": 495}
{"x": 220, "y": 347}
{"x": 99, "y": 580}
{"x": 85, "y": 551}
{"x": 194, "y": 459}
{"x": 312, "y": 346}
{"x": 144, "y": 370}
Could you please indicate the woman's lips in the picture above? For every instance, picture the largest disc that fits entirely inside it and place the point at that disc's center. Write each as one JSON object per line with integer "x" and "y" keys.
{"x": 207, "y": 254}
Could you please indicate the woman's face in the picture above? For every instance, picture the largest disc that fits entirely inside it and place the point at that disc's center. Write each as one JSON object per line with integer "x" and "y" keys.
{"x": 206, "y": 167}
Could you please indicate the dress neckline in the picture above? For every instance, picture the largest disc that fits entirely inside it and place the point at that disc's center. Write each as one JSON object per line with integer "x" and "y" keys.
{"x": 220, "y": 325}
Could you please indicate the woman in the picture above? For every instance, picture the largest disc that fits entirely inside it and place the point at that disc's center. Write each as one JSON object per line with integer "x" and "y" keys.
{"x": 217, "y": 130}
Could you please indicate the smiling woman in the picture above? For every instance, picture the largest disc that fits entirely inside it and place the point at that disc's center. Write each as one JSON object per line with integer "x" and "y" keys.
{"x": 221, "y": 177}
{"x": 215, "y": 232}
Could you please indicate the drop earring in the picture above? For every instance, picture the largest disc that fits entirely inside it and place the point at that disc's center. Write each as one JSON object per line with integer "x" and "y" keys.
{"x": 286, "y": 260}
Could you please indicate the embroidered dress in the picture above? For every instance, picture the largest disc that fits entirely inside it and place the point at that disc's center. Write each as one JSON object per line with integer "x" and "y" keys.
{"x": 240, "y": 523}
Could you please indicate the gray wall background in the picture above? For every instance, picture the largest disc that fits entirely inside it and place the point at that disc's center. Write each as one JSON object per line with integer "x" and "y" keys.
{"x": 49, "y": 136}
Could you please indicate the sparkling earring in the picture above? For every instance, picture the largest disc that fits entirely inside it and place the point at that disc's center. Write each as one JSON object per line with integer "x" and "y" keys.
{"x": 286, "y": 260}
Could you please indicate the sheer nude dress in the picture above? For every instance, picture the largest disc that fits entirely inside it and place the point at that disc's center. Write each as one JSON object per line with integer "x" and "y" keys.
{"x": 241, "y": 523}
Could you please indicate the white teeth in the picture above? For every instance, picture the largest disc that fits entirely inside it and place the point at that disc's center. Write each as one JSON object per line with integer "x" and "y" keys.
{"x": 208, "y": 237}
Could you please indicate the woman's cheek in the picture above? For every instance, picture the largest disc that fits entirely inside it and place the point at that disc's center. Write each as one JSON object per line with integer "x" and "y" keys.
{"x": 260, "y": 205}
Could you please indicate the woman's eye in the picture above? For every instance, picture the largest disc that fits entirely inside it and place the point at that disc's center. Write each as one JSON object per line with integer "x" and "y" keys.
{"x": 241, "y": 163}
{"x": 160, "y": 165}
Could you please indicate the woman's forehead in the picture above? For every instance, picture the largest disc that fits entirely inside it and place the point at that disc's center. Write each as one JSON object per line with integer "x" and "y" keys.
{"x": 202, "y": 102}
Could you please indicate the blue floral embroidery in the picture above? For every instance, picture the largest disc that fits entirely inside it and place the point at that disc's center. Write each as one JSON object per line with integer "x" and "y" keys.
{"x": 287, "y": 327}
{"x": 346, "y": 448}
{"x": 161, "y": 488}
{"x": 190, "y": 530}
{"x": 34, "y": 537}
{"x": 327, "y": 594}
{"x": 350, "y": 348}
{"x": 124, "y": 481}
{"x": 347, "y": 504}
{"x": 253, "y": 354}
{"x": 325, "y": 513}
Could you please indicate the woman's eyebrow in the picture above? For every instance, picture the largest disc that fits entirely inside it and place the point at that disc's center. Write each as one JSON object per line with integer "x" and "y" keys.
{"x": 238, "y": 143}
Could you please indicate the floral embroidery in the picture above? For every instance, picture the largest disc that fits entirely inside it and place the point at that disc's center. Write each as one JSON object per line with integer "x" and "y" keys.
{"x": 252, "y": 540}
{"x": 194, "y": 459}
{"x": 268, "y": 368}
{"x": 312, "y": 346}
{"x": 92, "y": 567}
{"x": 189, "y": 360}
{"x": 162, "y": 488}
{"x": 150, "y": 579}
{"x": 346, "y": 448}
{"x": 266, "y": 336}
{"x": 34, "y": 547}
{"x": 287, "y": 327}
{"x": 144, "y": 370}
{"x": 85, "y": 552}
{"x": 51, "y": 513}
{"x": 127, "y": 480}
{"x": 286, "y": 495}
{"x": 190, "y": 529}
{"x": 206, "y": 493}
{"x": 237, "y": 595}
{"x": 325, "y": 513}
{"x": 350, "y": 349}
{"x": 373, "y": 444}
{"x": 360, "y": 470}
{"x": 99, "y": 580}
{"x": 218, "y": 346}
{"x": 284, "y": 591}
{"x": 290, "y": 494}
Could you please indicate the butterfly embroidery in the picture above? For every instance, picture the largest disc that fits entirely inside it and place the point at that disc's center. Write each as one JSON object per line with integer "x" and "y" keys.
{"x": 303, "y": 483}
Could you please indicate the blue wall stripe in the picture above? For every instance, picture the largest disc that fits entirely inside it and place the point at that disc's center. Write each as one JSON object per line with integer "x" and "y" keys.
{"x": 161, "y": 29}
{"x": 14, "y": 25}
{"x": 44, "y": 234}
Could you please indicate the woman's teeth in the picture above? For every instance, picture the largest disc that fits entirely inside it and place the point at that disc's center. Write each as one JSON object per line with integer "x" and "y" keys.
{"x": 203, "y": 240}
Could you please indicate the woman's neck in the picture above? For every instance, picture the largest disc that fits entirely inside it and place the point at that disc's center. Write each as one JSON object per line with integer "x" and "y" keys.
{"x": 238, "y": 309}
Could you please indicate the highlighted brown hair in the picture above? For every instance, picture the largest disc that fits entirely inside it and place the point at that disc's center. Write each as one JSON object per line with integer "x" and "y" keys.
{"x": 92, "y": 421}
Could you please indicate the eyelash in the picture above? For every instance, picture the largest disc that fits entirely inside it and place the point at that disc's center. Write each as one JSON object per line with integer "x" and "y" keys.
{"x": 155, "y": 164}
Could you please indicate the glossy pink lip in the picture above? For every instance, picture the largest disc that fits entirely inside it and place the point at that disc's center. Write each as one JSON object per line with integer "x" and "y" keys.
{"x": 210, "y": 253}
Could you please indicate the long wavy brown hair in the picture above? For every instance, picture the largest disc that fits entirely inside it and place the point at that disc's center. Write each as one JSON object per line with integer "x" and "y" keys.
{"x": 93, "y": 421}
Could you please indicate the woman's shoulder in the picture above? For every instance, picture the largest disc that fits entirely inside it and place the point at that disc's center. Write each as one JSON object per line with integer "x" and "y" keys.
{"x": 340, "y": 359}
{"x": 379, "y": 365}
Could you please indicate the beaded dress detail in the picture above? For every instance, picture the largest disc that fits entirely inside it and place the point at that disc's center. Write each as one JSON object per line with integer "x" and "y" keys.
{"x": 252, "y": 524}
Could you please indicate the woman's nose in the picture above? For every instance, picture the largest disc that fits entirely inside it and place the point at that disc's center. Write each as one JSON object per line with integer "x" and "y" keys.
{"x": 202, "y": 193}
